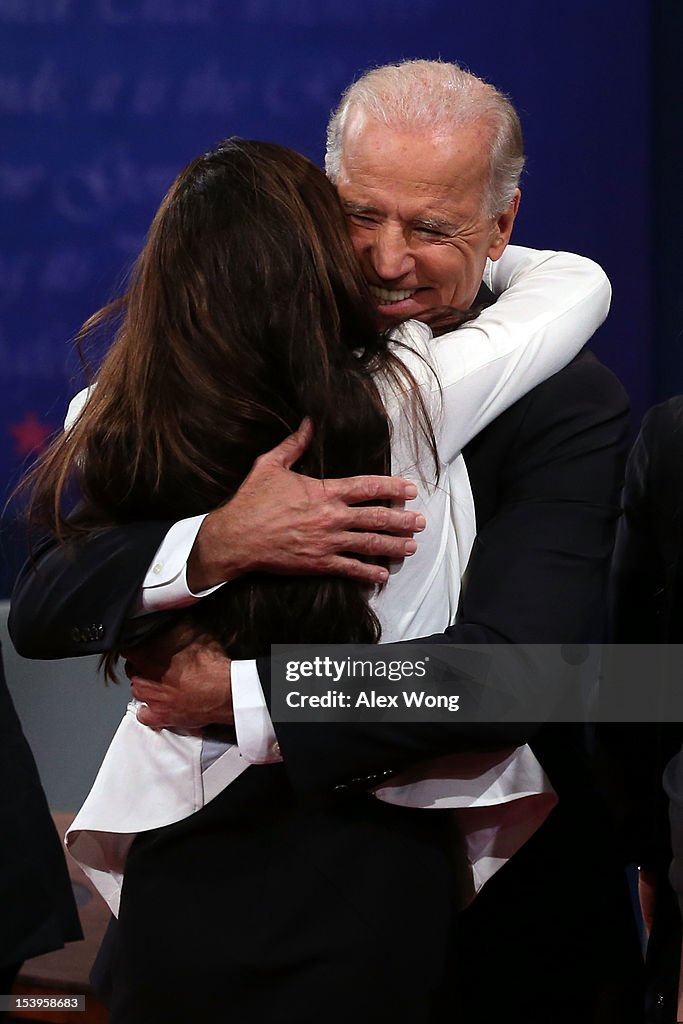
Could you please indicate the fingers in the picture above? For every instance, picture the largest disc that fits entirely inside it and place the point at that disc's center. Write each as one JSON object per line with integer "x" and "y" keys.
{"x": 293, "y": 447}
{"x": 390, "y": 520}
{"x": 146, "y": 716}
{"x": 380, "y": 545}
{"x": 355, "y": 570}
{"x": 370, "y": 488}
{"x": 149, "y": 692}
{"x": 154, "y": 711}
{"x": 369, "y": 572}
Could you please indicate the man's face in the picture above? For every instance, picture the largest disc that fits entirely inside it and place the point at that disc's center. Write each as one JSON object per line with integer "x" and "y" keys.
{"x": 416, "y": 208}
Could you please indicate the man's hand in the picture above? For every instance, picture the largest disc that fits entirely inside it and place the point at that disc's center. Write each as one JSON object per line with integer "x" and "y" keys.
{"x": 183, "y": 680}
{"x": 282, "y": 522}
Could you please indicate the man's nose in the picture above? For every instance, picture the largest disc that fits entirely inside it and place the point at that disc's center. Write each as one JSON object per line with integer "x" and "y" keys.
{"x": 390, "y": 253}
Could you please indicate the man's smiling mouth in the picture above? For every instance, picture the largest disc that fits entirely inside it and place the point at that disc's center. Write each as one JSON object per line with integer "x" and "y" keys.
{"x": 387, "y": 296}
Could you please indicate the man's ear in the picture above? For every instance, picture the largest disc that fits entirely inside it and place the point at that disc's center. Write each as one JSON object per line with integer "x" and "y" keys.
{"x": 502, "y": 229}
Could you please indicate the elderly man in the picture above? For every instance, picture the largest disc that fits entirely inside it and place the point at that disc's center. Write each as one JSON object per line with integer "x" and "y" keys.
{"x": 427, "y": 159}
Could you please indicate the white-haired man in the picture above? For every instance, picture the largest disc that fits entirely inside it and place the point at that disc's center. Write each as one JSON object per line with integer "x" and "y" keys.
{"x": 426, "y": 158}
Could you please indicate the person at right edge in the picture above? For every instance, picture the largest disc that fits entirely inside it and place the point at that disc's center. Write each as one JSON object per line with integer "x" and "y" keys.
{"x": 642, "y": 761}
{"x": 551, "y": 939}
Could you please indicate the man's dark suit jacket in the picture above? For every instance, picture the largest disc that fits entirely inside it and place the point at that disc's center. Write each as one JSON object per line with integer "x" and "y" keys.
{"x": 37, "y": 909}
{"x": 551, "y": 935}
{"x": 647, "y": 607}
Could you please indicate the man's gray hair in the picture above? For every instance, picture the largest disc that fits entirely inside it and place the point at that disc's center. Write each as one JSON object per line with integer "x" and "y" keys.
{"x": 431, "y": 95}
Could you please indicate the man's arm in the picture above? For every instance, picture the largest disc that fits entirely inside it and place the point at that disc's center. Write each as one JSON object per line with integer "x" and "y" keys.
{"x": 546, "y": 478}
{"x": 76, "y": 598}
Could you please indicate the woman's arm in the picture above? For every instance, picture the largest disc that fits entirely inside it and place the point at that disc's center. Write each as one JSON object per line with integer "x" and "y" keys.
{"x": 551, "y": 304}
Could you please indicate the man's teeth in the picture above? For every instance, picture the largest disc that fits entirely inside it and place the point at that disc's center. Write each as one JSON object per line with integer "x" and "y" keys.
{"x": 385, "y": 295}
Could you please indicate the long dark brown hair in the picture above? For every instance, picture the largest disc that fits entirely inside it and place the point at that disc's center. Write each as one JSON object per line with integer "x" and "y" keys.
{"x": 246, "y": 311}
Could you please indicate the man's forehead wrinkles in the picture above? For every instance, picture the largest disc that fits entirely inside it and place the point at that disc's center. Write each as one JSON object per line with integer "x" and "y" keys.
{"x": 440, "y": 200}
{"x": 371, "y": 191}
{"x": 419, "y": 187}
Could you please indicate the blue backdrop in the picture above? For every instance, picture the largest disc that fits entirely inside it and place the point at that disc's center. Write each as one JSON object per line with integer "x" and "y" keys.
{"x": 102, "y": 101}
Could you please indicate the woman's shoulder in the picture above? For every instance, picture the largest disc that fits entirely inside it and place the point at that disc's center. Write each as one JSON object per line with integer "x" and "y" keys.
{"x": 411, "y": 334}
{"x": 77, "y": 405}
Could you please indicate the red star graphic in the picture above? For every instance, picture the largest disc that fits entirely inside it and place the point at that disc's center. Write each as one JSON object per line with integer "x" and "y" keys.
{"x": 30, "y": 435}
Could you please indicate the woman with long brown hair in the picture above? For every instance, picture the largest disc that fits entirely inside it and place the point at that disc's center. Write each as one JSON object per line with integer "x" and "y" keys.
{"x": 247, "y": 311}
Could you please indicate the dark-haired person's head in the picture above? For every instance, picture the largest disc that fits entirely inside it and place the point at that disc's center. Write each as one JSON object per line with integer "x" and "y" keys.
{"x": 246, "y": 311}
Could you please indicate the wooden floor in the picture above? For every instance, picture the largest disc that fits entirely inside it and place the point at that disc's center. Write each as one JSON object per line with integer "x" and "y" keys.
{"x": 66, "y": 971}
